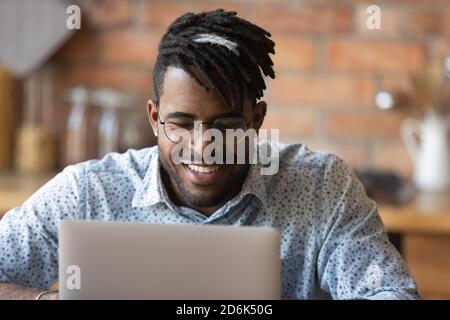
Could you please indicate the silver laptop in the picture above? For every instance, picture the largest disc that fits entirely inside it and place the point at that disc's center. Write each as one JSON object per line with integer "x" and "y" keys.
{"x": 121, "y": 260}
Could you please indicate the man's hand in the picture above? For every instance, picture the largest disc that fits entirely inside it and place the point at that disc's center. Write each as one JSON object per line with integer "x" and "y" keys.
{"x": 15, "y": 292}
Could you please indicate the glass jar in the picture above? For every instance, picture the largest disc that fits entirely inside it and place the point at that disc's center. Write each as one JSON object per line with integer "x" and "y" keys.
{"x": 110, "y": 102}
{"x": 81, "y": 141}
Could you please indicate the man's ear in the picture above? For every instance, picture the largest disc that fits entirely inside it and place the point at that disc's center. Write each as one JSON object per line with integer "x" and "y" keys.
{"x": 259, "y": 114}
{"x": 152, "y": 112}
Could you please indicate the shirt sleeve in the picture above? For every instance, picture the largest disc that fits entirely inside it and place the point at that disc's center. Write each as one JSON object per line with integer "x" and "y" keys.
{"x": 356, "y": 259}
{"x": 29, "y": 234}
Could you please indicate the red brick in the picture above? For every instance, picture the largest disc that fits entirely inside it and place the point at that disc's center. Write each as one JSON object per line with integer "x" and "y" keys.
{"x": 329, "y": 3}
{"x": 364, "y": 124}
{"x": 129, "y": 47}
{"x": 428, "y": 2}
{"x": 327, "y": 90}
{"x": 440, "y": 48}
{"x": 391, "y": 22}
{"x": 354, "y": 154}
{"x": 163, "y": 13}
{"x": 429, "y": 22}
{"x": 291, "y": 123}
{"x": 375, "y": 56}
{"x": 81, "y": 47}
{"x": 395, "y": 83}
{"x": 129, "y": 79}
{"x": 293, "y": 53}
{"x": 392, "y": 156}
{"x": 105, "y": 13}
{"x": 302, "y": 20}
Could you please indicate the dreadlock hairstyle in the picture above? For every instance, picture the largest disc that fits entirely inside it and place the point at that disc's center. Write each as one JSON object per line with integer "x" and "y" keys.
{"x": 230, "y": 52}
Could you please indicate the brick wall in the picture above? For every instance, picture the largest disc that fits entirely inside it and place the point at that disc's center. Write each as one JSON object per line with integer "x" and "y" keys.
{"x": 329, "y": 66}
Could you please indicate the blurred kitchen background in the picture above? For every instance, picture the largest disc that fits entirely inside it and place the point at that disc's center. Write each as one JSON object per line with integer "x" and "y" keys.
{"x": 380, "y": 99}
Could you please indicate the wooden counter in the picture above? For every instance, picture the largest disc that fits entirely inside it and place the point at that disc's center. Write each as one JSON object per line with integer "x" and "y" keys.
{"x": 424, "y": 229}
{"x": 427, "y": 214}
{"x": 15, "y": 189}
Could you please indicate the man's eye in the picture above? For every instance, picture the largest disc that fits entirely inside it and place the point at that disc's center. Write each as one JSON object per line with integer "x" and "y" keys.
{"x": 184, "y": 125}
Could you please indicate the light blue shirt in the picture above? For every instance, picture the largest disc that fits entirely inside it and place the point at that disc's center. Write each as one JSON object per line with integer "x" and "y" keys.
{"x": 333, "y": 243}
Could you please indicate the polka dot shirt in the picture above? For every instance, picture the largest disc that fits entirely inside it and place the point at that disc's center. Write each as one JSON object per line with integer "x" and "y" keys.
{"x": 333, "y": 243}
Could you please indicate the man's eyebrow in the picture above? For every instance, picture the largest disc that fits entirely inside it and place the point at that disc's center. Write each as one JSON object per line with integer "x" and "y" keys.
{"x": 181, "y": 114}
{"x": 193, "y": 116}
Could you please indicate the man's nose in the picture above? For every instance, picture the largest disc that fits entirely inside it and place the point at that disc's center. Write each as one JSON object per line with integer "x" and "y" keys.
{"x": 198, "y": 143}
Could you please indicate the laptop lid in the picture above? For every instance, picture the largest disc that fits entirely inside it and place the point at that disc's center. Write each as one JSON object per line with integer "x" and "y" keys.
{"x": 121, "y": 260}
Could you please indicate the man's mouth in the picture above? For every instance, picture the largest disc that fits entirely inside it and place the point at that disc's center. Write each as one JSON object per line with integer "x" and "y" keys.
{"x": 204, "y": 168}
{"x": 203, "y": 174}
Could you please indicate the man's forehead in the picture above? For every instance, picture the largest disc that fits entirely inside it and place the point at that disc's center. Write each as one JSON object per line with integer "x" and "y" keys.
{"x": 182, "y": 93}
{"x": 179, "y": 85}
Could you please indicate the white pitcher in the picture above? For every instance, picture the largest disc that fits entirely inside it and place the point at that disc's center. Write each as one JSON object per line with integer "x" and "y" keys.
{"x": 428, "y": 144}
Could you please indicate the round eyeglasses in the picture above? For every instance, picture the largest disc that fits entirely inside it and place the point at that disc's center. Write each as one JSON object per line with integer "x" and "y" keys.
{"x": 176, "y": 127}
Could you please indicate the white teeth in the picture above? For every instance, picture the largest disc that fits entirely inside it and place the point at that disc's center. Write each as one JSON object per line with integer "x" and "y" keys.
{"x": 204, "y": 169}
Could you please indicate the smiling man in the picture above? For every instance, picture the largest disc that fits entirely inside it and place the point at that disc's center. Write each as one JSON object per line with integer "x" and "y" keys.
{"x": 210, "y": 70}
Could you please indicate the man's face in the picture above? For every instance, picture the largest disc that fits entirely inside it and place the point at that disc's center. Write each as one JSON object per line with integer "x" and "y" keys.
{"x": 214, "y": 184}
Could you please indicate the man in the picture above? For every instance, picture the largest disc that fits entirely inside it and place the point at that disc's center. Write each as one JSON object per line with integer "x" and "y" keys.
{"x": 211, "y": 68}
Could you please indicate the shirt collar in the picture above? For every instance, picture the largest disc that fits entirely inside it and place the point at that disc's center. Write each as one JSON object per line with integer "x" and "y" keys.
{"x": 152, "y": 191}
{"x": 255, "y": 184}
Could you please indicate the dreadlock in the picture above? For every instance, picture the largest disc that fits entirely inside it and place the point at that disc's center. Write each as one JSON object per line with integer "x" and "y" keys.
{"x": 230, "y": 52}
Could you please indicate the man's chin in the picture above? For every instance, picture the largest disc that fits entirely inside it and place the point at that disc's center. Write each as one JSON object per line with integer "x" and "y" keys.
{"x": 204, "y": 189}
{"x": 202, "y": 200}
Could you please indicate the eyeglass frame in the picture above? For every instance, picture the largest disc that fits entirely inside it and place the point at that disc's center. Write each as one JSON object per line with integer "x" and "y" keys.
{"x": 247, "y": 124}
